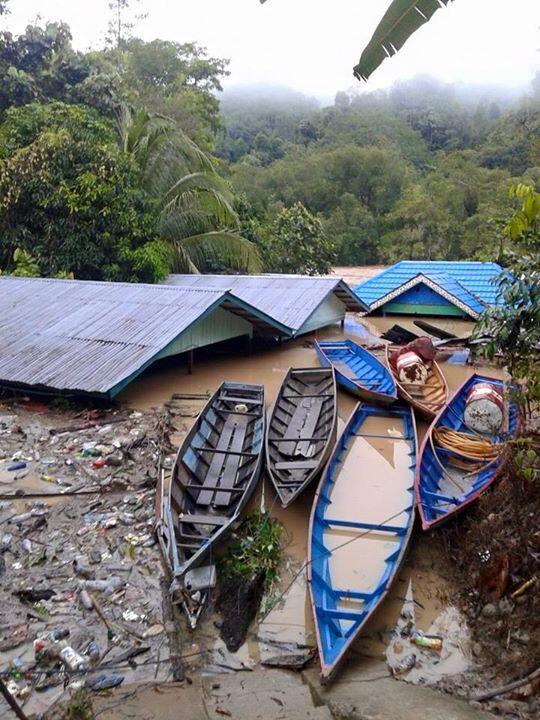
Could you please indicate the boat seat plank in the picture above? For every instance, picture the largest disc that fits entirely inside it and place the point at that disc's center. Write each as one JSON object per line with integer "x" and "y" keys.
{"x": 283, "y": 440}
{"x": 301, "y": 397}
{"x": 203, "y": 519}
{"x": 365, "y": 526}
{"x": 245, "y": 401}
{"x": 297, "y": 465}
{"x": 216, "y": 466}
{"x": 382, "y": 437}
{"x": 232, "y": 463}
{"x": 225, "y": 411}
{"x": 223, "y": 452}
{"x": 303, "y": 422}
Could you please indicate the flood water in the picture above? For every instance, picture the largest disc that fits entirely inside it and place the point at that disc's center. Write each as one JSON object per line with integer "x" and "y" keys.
{"x": 422, "y": 592}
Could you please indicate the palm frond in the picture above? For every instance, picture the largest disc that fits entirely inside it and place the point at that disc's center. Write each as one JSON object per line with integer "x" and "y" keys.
{"x": 223, "y": 246}
{"x": 207, "y": 191}
{"x": 400, "y": 21}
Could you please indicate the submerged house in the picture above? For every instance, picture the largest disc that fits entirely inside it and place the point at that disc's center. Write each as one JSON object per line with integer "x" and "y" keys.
{"x": 298, "y": 303}
{"x": 89, "y": 337}
{"x": 425, "y": 287}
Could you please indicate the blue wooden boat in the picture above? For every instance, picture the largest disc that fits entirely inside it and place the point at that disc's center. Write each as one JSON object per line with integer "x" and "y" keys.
{"x": 357, "y": 370}
{"x": 441, "y": 488}
{"x": 361, "y": 523}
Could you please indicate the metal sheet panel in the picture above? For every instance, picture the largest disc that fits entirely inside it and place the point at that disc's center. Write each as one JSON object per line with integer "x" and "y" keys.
{"x": 288, "y": 299}
{"x": 89, "y": 336}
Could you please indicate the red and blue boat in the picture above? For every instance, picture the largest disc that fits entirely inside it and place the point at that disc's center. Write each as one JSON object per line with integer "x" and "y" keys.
{"x": 444, "y": 484}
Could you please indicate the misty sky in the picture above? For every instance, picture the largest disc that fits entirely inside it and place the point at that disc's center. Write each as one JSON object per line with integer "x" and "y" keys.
{"x": 312, "y": 45}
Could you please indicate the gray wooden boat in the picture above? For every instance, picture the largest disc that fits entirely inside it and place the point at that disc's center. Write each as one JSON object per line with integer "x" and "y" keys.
{"x": 215, "y": 473}
{"x": 301, "y": 430}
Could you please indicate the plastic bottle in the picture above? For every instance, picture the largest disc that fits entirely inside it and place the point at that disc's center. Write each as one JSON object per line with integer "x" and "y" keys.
{"x": 408, "y": 662}
{"x": 427, "y": 641}
{"x": 73, "y": 660}
{"x": 93, "y": 652}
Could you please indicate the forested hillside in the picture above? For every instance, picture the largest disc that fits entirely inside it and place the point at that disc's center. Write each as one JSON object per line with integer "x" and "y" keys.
{"x": 419, "y": 171}
{"x": 128, "y": 162}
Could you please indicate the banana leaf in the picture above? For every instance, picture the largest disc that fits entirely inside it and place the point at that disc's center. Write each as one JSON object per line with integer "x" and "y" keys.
{"x": 400, "y": 21}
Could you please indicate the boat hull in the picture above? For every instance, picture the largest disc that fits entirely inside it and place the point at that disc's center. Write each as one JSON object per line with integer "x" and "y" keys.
{"x": 437, "y": 386}
{"x": 442, "y": 490}
{"x": 360, "y": 526}
{"x": 356, "y": 368}
{"x": 301, "y": 430}
{"x": 215, "y": 473}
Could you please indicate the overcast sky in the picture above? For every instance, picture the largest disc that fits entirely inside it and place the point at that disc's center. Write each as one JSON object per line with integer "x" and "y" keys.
{"x": 312, "y": 45}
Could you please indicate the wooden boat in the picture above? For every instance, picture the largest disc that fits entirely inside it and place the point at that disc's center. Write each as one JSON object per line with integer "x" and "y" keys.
{"x": 357, "y": 370}
{"x": 301, "y": 430}
{"x": 441, "y": 487}
{"x": 429, "y": 398}
{"x": 360, "y": 525}
{"x": 215, "y": 473}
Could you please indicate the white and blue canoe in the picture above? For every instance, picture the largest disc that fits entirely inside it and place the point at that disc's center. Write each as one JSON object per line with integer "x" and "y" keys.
{"x": 360, "y": 527}
{"x": 358, "y": 370}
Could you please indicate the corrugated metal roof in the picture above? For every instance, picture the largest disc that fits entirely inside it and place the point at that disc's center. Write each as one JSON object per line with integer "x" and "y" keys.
{"x": 288, "y": 299}
{"x": 89, "y": 336}
{"x": 456, "y": 289}
{"x": 476, "y": 280}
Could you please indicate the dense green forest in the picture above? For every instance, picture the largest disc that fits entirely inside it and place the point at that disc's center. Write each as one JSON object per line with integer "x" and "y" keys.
{"x": 128, "y": 162}
{"x": 419, "y": 171}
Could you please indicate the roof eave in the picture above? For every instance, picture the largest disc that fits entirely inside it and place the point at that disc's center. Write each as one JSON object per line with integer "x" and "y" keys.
{"x": 416, "y": 280}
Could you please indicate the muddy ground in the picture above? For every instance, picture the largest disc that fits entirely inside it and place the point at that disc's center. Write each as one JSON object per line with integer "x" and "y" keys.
{"x": 113, "y": 455}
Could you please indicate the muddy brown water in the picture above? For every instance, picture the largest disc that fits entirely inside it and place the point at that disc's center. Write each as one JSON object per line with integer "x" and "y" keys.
{"x": 422, "y": 589}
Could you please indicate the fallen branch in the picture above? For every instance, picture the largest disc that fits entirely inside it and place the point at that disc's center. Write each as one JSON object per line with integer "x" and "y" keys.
{"x": 35, "y": 496}
{"x": 523, "y": 588}
{"x": 506, "y": 688}
{"x": 11, "y": 702}
{"x": 86, "y": 425}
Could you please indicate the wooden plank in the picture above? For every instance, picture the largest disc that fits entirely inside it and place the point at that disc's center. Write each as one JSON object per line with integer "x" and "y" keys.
{"x": 309, "y": 427}
{"x": 232, "y": 462}
{"x": 297, "y": 465}
{"x": 301, "y": 397}
{"x": 201, "y": 519}
{"x": 280, "y": 440}
{"x": 434, "y": 330}
{"x": 246, "y": 401}
{"x": 216, "y": 466}
{"x": 223, "y": 411}
{"x": 211, "y": 487}
{"x": 223, "y": 452}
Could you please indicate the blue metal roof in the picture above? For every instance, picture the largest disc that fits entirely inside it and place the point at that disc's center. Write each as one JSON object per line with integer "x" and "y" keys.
{"x": 457, "y": 290}
{"x": 471, "y": 283}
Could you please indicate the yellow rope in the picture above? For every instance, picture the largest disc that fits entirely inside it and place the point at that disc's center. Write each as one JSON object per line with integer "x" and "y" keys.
{"x": 470, "y": 447}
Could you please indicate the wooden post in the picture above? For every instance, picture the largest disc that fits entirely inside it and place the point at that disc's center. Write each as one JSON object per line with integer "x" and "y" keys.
{"x": 11, "y": 702}
{"x": 249, "y": 344}
{"x": 190, "y": 362}
{"x": 342, "y": 322}
{"x": 280, "y": 340}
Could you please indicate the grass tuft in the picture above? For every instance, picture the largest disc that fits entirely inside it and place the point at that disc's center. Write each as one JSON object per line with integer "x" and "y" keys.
{"x": 258, "y": 548}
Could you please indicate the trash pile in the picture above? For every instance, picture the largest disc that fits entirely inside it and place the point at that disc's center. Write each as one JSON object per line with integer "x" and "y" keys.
{"x": 80, "y": 571}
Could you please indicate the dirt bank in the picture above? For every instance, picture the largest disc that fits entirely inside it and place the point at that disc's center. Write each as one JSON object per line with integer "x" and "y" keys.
{"x": 495, "y": 553}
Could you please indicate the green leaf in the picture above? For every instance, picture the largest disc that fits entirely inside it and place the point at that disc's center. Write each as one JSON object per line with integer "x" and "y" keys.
{"x": 400, "y": 21}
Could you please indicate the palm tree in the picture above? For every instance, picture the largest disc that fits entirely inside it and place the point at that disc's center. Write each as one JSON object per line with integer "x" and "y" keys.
{"x": 399, "y": 22}
{"x": 196, "y": 217}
